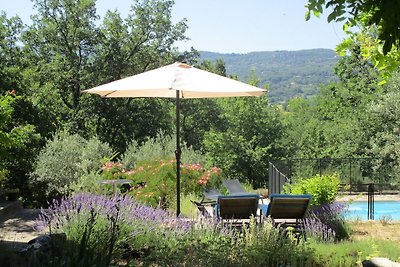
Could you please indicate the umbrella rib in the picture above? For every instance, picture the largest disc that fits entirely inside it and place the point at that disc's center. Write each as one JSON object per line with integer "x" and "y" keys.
{"x": 106, "y": 95}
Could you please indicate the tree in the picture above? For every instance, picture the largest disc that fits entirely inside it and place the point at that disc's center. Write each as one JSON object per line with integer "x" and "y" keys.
{"x": 19, "y": 140}
{"x": 23, "y": 125}
{"x": 332, "y": 124}
{"x": 304, "y": 131}
{"x": 60, "y": 46}
{"x": 201, "y": 115}
{"x": 10, "y": 54}
{"x": 142, "y": 41}
{"x": 64, "y": 161}
{"x": 249, "y": 140}
{"x": 69, "y": 52}
{"x": 371, "y": 25}
{"x": 380, "y": 13}
{"x": 384, "y": 142}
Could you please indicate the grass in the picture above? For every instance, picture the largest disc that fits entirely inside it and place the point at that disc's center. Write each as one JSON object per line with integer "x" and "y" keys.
{"x": 352, "y": 253}
{"x": 368, "y": 239}
{"x": 382, "y": 230}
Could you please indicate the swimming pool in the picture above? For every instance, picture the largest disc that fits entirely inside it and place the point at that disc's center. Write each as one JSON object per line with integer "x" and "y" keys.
{"x": 383, "y": 210}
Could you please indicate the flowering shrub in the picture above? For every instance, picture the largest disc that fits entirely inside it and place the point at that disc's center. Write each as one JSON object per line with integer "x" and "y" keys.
{"x": 113, "y": 170}
{"x": 154, "y": 182}
{"x": 80, "y": 207}
{"x": 197, "y": 178}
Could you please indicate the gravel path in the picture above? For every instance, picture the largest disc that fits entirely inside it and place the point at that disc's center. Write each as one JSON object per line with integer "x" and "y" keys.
{"x": 20, "y": 228}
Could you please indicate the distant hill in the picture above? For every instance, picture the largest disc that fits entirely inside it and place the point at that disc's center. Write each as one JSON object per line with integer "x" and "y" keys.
{"x": 288, "y": 73}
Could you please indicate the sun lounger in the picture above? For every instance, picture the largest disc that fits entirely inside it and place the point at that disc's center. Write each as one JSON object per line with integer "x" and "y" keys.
{"x": 211, "y": 195}
{"x": 288, "y": 210}
{"x": 236, "y": 208}
{"x": 234, "y": 187}
{"x": 209, "y": 199}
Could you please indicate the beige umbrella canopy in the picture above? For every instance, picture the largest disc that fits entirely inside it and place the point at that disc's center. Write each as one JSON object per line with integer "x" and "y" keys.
{"x": 178, "y": 80}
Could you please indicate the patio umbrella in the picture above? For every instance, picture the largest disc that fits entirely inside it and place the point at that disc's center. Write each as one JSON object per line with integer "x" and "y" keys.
{"x": 179, "y": 81}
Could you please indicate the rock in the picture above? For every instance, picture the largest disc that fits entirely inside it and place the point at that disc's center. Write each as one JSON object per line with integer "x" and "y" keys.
{"x": 44, "y": 242}
{"x": 380, "y": 262}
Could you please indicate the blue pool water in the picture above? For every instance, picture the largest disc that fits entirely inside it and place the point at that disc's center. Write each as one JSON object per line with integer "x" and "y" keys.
{"x": 383, "y": 210}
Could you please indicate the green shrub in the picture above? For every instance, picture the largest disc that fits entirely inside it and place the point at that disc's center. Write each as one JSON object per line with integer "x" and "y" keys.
{"x": 323, "y": 188}
{"x": 161, "y": 147}
{"x": 65, "y": 159}
{"x": 90, "y": 183}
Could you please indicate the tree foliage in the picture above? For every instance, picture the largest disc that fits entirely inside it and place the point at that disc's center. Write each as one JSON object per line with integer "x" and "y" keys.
{"x": 67, "y": 49}
{"x": 68, "y": 44}
{"x": 334, "y": 123}
{"x": 384, "y": 127}
{"x": 288, "y": 73}
{"x": 249, "y": 139}
{"x": 20, "y": 139}
{"x": 10, "y": 54}
{"x": 380, "y": 13}
{"x": 372, "y": 25}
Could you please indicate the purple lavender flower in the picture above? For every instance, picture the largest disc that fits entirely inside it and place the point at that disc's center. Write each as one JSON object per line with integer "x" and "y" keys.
{"x": 123, "y": 208}
{"x": 326, "y": 222}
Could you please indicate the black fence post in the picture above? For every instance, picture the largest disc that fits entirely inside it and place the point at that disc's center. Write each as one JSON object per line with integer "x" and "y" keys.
{"x": 350, "y": 178}
{"x": 371, "y": 201}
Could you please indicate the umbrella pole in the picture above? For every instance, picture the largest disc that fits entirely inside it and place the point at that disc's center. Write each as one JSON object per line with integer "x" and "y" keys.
{"x": 178, "y": 156}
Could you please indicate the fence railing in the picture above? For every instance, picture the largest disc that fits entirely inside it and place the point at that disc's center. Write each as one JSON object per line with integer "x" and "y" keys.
{"x": 276, "y": 180}
{"x": 355, "y": 173}
{"x": 359, "y": 171}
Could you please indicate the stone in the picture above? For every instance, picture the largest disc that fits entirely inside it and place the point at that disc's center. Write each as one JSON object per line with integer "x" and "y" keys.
{"x": 380, "y": 262}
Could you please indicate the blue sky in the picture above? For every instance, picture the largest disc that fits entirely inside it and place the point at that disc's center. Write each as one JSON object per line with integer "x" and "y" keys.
{"x": 231, "y": 26}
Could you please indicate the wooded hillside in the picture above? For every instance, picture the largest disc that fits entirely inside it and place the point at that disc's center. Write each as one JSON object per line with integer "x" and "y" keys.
{"x": 288, "y": 73}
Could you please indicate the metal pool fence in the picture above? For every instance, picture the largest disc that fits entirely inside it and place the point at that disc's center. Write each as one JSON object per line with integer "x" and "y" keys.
{"x": 355, "y": 173}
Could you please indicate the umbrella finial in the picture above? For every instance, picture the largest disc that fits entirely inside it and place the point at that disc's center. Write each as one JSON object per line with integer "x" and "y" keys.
{"x": 184, "y": 65}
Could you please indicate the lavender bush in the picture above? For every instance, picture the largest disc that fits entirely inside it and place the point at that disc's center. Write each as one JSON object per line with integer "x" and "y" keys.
{"x": 107, "y": 230}
{"x": 268, "y": 245}
{"x": 327, "y": 223}
{"x": 115, "y": 227}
